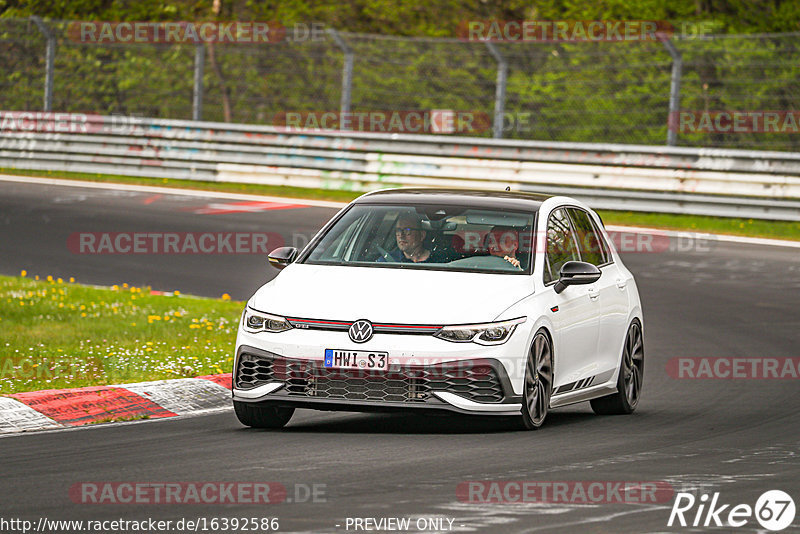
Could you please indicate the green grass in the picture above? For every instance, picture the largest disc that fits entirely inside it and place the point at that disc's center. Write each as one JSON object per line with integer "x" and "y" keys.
{"x": 693, "y": 223}
{"x": 58, "y": 334}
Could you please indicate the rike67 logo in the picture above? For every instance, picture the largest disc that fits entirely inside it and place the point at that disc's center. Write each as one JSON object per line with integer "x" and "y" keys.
{"x": 774, "y": 510}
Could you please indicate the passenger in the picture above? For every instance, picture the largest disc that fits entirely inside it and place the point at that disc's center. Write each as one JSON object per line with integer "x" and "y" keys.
{"x": 503, "y": 242}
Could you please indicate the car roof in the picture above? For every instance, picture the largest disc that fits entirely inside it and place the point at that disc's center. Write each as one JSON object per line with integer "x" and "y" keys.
{"x": 460, "y": 197}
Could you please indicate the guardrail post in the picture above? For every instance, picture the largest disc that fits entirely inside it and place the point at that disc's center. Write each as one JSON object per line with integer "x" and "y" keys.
{"x": 347, "y": 72}
{"x": 197, "y": 91}
{"x": 50, "y": 58}
{"x": 500, "y": 90}
{"x": 674, "y": 90}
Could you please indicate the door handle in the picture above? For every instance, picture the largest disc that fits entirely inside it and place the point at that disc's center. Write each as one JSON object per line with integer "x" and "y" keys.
{"x": 621, "y": 283}
{"x": 593, "y": 294}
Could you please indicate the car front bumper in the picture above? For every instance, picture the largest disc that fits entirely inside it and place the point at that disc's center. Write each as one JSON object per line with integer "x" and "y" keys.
{"x": 469, "y": 386}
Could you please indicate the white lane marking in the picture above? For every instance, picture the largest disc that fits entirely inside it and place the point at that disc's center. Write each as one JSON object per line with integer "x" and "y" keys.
{"x": 184, "y": 395}
{"x": 330, "y": 204}
{"x": 166, "y": 190}
{"x": 597, "y": 519}
{"x": 216, "y": 208}
{"x": 707, "y": 237}
{"x": 17, "y": 417}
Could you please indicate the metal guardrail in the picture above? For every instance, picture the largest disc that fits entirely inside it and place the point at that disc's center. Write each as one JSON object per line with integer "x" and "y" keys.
{"x": 720, "y": 182}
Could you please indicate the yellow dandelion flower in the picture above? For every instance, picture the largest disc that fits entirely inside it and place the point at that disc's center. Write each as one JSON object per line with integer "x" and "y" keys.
{"x": 23, "y": 273}
{"x": 71, "y": 280}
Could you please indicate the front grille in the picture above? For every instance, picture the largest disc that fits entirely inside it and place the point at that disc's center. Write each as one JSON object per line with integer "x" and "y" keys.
{"x": 475, "y": 381}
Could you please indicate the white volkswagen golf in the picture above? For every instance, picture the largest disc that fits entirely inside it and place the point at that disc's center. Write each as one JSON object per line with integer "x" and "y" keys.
{"x": 477, "y": 302}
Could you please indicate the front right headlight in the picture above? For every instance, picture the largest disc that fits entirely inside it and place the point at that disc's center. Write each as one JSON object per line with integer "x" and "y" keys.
{"x": 483, "y": 333}
{"x": 254, "y": 321}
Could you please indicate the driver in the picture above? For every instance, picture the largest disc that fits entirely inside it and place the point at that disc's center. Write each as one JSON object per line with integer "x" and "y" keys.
{"x": 410, "y": 241}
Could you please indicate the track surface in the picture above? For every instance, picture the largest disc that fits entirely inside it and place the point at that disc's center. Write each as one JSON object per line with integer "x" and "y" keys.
{"x": 739, "y": 438}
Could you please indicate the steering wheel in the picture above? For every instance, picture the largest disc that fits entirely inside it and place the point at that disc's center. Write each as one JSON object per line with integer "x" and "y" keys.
{"x": 500, "y": 261}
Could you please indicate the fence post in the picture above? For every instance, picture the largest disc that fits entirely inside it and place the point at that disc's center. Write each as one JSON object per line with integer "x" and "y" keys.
{"x": 500, "y": 90}
{"x": 674, "y": 90}
{"x": 197, "y": 91}
{"x": 347, "y": 72}
{"x": 50, "y": 58}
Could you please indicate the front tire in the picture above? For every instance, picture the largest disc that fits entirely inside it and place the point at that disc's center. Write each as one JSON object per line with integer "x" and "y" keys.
{"x": 629, "y": 382}
{"x": 538, "y": 386}
{"x": 256, "y": 416}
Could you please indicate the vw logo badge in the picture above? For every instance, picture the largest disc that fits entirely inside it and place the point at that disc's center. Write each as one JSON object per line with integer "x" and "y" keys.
{"x": 360, "y": 331}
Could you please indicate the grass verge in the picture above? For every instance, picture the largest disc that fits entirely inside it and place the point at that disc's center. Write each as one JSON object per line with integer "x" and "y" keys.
{"x": 692, "y": 223}
{"x": 58, "y": 334}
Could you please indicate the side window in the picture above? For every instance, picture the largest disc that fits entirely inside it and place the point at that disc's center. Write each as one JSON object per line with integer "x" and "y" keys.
{"x": 561, "y": 245}
{"x": 603, "y": 243}
{"x": 589, "y": 243}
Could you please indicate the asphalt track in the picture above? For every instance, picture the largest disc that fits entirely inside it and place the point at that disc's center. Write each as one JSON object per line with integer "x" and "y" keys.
{"x": 736, "y": 437}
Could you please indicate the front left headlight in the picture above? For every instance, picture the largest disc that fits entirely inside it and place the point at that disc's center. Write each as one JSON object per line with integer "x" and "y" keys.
{"x": 483, "y": 334}
{"x": 255, "y": 321}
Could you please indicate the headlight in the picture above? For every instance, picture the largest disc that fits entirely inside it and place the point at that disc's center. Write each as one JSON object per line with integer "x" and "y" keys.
{"x": 256, "y": 321}
{"x": 483, "y": 334}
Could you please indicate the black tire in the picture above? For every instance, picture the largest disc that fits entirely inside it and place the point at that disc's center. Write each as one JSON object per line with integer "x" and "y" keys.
{"x": 257, "y": 416}
{"x": 631, "y": 374}
{"x": 538, "y": 387}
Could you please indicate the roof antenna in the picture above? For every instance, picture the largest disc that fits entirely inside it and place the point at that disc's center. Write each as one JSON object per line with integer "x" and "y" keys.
{"x": 508, "y": 188}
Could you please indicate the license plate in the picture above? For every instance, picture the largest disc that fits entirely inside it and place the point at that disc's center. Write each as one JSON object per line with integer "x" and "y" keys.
{"x": 356, "y": 359}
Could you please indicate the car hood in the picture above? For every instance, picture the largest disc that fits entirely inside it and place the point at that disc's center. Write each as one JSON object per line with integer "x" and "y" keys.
{"x": 407, "y": 296}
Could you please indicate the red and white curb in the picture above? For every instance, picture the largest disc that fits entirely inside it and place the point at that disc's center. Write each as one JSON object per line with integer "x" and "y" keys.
{"x": 64, "y": 408}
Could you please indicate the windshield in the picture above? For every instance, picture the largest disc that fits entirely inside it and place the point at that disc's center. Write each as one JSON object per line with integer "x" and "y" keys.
{"x": 457, "y": 238}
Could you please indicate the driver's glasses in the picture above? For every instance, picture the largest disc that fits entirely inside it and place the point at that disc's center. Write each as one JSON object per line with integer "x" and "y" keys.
{"x": 404, "y": 231}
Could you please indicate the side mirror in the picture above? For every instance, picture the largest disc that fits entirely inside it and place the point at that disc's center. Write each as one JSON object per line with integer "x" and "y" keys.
{"x": 575, "y": 273}
{"x": 281, "y": 257}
